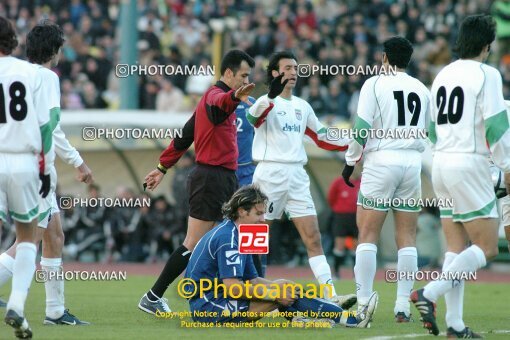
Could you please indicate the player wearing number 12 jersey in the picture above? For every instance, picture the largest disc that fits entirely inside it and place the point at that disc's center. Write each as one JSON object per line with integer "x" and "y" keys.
{"x": 470, "y": 120}
{"x": 392, "y": 169}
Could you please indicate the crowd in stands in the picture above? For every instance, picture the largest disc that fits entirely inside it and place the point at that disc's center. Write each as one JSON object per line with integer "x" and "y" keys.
{"x": 179, "y": 32}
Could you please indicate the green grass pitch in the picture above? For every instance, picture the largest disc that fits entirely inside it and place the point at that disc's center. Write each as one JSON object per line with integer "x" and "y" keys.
{"x": 111, "y": 307}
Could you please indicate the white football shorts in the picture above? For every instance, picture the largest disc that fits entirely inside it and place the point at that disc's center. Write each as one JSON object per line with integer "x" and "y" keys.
{"x": 288, "y": 188}
{"x": 391, "y": 179}
{"x": 19, "y": 186}
{"x": 465, "y": 179}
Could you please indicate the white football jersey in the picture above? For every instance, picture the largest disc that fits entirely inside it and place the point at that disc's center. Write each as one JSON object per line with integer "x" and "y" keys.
{"x": 393, "y": 112}
{"x": 280, "y": 126}
{"x": 62, "y": 147}
{"x": 469, "y": 112}
{"x": 25, "y": 125}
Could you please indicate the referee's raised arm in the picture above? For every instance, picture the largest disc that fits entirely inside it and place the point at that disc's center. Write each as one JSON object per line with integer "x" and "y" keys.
{"x": 217, "y": 104}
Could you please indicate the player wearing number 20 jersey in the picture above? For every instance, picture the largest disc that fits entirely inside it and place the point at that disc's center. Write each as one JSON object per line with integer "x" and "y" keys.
{"x": 470, "y": 121}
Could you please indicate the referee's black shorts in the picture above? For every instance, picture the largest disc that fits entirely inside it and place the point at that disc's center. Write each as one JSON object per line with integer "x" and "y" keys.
{"x": 209, "y": 187}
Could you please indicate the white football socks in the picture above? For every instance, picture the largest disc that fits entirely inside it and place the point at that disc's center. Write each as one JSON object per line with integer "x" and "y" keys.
{"x": 322, "y": 272}
{"x": 470, "y": 260}
{"x": 23, "y": 272}
{"x": 364, "y": 271}
{"x": 408, "y": 263}
{"x": 454, "y": 299}
{"x": 54, "y": 287}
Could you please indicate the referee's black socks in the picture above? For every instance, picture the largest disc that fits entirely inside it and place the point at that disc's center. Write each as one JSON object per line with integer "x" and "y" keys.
{"x": 173, "y": 268}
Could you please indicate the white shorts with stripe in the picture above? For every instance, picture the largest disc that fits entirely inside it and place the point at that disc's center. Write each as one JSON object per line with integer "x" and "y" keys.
{"x": 288, "y": 188}
{"x": 465, "y": 179}
{"x": 19, "y": 186}
{"x": 391, "y": 176}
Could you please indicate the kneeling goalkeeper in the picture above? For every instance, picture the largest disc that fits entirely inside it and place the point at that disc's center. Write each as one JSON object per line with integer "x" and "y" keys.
{"x": 217, "y": 257}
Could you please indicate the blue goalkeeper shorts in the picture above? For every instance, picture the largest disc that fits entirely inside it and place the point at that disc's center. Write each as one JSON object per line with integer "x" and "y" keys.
{"x": 245, "y": 173}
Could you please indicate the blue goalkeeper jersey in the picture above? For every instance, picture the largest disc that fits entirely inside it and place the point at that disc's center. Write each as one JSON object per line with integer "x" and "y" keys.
{"x": 216, "y": 256}
{"x": 245, "y": 133}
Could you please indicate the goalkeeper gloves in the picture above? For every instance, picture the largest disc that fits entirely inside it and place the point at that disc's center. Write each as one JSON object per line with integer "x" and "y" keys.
{"x": 45, "y": 187}
{"x": 276, "y": 86}
{"x": 346, "y": 174}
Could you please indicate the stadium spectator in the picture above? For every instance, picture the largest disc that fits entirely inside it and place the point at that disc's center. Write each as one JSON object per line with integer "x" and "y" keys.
{"x": 170, "y": 98}
{"x": 121, "y": 225}
{"x": 342, "y": 201}
{"x": 162, "y": 218}
{"x": 501, "y": 13}
{"x": 91, "y": 98}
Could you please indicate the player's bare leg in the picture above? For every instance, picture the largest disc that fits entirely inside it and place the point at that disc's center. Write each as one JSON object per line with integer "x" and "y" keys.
{"x": 196, "y": 229}
{"x": 153, "y": 300}
{"x": 405, "y": 237}
{"x": 369, "y": 223}
{"x": 308, "y": 228}
{"x": 23, "y": 272}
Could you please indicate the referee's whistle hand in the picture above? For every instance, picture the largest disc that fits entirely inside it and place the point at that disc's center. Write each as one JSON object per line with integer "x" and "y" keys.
{"x": 153, "y": 179}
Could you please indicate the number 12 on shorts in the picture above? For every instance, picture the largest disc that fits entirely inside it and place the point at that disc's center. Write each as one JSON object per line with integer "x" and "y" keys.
{"x": 253, "y": 239}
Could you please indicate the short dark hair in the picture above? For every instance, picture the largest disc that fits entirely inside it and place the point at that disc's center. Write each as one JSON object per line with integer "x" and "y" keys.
{"x": 8, "y": 39}
{"x": 44, "y": 41}
{"x": 274, "y": 62}
{"x": 476, "y": 32}
{"x": 233, "y": 59}
{"x": 398, "y": 51}
{"x": 246, "y": 197}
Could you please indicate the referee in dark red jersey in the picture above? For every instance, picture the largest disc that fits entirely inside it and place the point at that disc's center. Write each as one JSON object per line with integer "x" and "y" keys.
{"x": 213, "y": 180}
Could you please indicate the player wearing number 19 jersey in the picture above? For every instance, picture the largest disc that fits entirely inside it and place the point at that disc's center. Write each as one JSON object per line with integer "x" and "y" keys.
{"x": 391, "y": 102}
{"x": 469, "y": 121}
{"x": 25, "y": 133}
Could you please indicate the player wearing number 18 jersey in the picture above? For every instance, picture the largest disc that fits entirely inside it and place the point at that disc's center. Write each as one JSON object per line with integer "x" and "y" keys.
{"x": 392, "y": 168}
{"x": 25, "y": 133}
{"x": 470, "y": 120}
